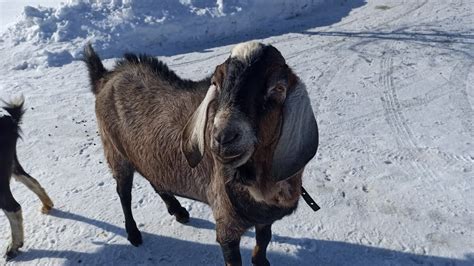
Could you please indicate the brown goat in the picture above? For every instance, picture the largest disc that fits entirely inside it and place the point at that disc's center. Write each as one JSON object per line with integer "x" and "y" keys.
{"x": 238, "y": 141}
{"x": 10, "y": 117}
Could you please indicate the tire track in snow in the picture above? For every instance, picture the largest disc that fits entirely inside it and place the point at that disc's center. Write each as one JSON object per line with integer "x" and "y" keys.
{"x": 407, "y": 145}
{"x": 392, "y": 105}
{"x": 404, "y": 136}
{"x": 459, "y": 99}
{"x": 393, "y": 108}
{"x": 397, "y": 121}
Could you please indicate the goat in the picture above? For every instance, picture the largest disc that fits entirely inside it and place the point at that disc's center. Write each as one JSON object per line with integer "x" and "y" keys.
{"x": 10, "y": 118}
{"x": 238, "y": 141}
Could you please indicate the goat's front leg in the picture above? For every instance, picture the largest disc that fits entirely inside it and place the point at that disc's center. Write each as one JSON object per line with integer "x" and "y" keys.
{"x": 16, "y": 224}
{"x": 263, "y": 235}
{"x": 228, "y": 236}
{"x": 13, "y": 212}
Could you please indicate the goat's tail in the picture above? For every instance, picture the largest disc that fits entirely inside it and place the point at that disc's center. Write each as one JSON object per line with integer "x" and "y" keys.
{"x": 95, "y": 67}
{"x": 15, "y": 108}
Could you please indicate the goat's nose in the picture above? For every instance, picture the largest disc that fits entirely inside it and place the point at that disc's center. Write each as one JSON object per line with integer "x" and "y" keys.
{"x": 226, "y": 136}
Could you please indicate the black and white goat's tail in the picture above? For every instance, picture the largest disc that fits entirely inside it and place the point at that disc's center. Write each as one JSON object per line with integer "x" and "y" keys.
{"x": 15, "y": 108}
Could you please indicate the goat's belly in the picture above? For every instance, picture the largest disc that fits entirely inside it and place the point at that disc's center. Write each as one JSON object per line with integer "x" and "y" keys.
{"x": 162, "y": 163}
{"x": 176, "y": 182}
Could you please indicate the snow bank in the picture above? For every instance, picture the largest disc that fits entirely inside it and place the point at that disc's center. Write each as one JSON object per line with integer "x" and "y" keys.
{"x": 116, "y": 26}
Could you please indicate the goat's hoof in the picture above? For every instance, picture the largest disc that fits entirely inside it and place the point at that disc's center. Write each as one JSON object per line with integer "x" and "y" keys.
{"x": 182, "y": 216}
{"x": 46, "y": 208}
{"x": 135, "y": 238}
{"x": 260, "y": 262}
{"x": 12, "y": 253}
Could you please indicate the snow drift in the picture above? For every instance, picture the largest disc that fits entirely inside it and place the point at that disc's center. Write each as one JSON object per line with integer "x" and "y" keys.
{"x": 140, "y": 25}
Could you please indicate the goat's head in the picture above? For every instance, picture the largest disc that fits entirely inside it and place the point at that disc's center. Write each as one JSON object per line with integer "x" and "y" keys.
{"x": 254, "y": 102}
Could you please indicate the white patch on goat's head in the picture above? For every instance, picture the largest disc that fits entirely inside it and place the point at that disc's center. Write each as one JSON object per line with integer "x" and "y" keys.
{"x": 246, "y": 51}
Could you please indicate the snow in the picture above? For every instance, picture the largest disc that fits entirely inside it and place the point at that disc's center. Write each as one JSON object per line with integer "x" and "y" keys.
{"x": 391, "y": 82}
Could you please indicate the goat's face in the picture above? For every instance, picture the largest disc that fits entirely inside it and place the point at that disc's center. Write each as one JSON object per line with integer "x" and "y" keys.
{"x": 246, "y": 106}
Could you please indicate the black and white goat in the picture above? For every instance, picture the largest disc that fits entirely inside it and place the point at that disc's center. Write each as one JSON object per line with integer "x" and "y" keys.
{"x": 10, "y": 117}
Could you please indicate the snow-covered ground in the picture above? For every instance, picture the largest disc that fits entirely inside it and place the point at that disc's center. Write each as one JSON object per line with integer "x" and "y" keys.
{"x": 392, "y": 85}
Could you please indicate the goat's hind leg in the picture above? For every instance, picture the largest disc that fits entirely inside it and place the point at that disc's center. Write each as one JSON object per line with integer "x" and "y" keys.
{"x": 123, "y": 173}
{"x": 175, "y": 208}
{"x": 13, "y": 212}
{"x": 22, "y": 176}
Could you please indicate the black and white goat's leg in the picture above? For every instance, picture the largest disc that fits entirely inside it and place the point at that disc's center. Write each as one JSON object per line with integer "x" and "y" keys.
{"x": 22, "y": 176}
{"x": 13, "y": 212}
{"x": 263, "y": 235}
{"x": 174, "y": 207}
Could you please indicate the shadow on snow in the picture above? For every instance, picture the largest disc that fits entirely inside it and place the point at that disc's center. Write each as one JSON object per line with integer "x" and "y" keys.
{"x": 170, "y": 251}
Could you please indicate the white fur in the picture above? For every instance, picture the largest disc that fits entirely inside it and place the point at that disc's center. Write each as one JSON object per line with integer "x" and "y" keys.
{"x": 19, "y": 100}
{"x": 16, "y": 224}
{"x": 246, "y": 51}
{"x": 15, "y": 102}
{"x": 3, "y": 113}
{"x": 201, "y": 118}
{"x": 256, "y": 194}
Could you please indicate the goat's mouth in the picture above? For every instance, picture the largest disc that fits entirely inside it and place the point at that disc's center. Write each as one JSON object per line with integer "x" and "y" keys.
{"x": 236, "y": 159}
{"x": 230, "y": 158}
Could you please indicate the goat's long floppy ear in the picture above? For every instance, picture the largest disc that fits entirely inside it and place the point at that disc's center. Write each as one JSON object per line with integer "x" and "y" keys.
{"x": 193, "y": 140}
{"x": 298, "y": 141}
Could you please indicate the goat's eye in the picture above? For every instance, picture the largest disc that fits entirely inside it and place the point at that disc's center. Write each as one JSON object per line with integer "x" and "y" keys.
{"x": 279, "y": 89}
{"x": 214, "y": 83}
{"x": 276, "y": 93}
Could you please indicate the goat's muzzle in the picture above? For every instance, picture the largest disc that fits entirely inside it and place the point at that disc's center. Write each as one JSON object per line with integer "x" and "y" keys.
{"x": 232, "y": 144}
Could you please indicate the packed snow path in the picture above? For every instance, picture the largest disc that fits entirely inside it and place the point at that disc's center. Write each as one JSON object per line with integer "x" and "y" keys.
{"x": 392, "y": 84}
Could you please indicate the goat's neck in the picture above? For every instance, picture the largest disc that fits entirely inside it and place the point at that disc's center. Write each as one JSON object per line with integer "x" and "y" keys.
{"x": 254, "y": 179}
{"x": 257, "y": 202}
